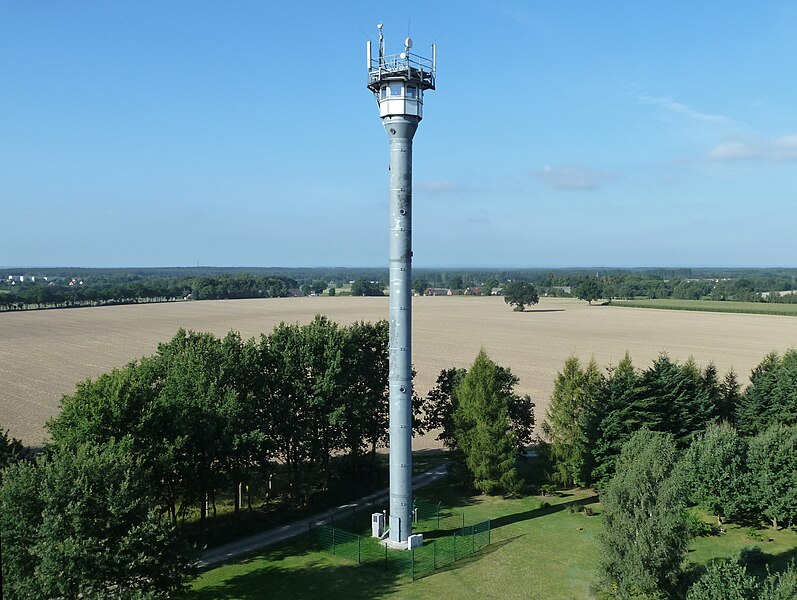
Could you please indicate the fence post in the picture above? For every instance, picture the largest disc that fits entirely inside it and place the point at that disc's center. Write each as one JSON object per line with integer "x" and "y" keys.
{"x": 463, "y": 520}
{"x": 455, "y": 546}
{"x": 438, "y": 515}
{"x": 358, "y": 549}
{"x": 434, "y": 554}
{"x": 489, "y": 527}
{"x": 333, "y": 541}
{"x": 412, "y": 562}
{"x": 472, "y": 534}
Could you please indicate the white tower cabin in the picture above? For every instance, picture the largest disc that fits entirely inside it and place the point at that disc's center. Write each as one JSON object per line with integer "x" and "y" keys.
{"x": 398, "y": 82}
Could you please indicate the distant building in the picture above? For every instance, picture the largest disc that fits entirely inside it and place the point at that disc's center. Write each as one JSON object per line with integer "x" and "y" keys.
{"x": 438, "y": 292}
{"x": 496, "y": 291}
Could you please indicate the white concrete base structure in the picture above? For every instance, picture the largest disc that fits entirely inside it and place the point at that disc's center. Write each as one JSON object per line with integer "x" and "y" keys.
{"x": 393, "y": 545}
{"x": 414, "y": 541}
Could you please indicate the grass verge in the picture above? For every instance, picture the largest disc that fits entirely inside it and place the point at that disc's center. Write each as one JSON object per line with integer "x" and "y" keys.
{"x": 542, "y": 548}
{"x": 760, "y": 308}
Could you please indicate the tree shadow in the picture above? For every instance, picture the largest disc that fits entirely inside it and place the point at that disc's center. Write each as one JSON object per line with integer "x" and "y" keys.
{"x": 540, "y": 512}
{"x": 544, "y": 310}
{"x": 779, "y": 562}
{"x": 311, "y": 580}
{"x": 476, "y": 556}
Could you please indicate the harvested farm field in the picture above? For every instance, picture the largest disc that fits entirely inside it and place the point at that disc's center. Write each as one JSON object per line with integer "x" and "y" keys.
{"x": 45, "y": 353}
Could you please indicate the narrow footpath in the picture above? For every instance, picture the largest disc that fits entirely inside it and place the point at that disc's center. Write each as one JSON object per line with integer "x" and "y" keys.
{"x": 255, "y": 542}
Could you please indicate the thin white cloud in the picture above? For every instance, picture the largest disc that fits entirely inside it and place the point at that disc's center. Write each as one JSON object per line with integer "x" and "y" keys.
{"x": 571, "y": 177}
{"x": 682, "y": 109}
{"x": 440, "y": 187}
{"x": 776, "y": 149}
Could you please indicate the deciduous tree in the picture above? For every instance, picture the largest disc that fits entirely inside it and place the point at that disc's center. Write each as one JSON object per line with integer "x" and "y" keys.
{"x": 520, "y": 294}
{"x": 718, "y": 475}
{"x": 773, "y": 472}
{"x": 645, "y": 534}
{"x": 82, "y": 524}
{"x": 589, "y": 290}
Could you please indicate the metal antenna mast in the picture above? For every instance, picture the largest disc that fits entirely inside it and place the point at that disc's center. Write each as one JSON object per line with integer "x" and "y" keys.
{"x": 398, "y": 82}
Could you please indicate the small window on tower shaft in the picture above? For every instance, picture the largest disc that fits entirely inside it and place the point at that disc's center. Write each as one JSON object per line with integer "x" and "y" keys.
{"x": 411, "y": 91}
{"x": 395, "y": 89}
{"x": 383, "y": 92}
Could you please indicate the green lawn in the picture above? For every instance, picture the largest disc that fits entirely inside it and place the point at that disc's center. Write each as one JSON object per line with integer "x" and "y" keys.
{"x": 538, "y": 552}
{"x": 763, "y": 308}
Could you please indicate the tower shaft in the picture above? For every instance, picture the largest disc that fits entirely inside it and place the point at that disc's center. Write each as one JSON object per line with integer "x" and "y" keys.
{"x": 398, "y": 83}
{"x": 400, "y": 130}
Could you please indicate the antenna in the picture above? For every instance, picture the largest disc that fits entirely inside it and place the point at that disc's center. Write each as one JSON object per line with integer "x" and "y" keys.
{"x": 407, "y": 44}
{"x": 368, "y": 54}
{"x": 381, "y": 46}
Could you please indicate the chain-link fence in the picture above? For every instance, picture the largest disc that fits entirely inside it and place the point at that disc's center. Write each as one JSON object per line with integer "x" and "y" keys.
{"x": 418, "y": 562}
{"x": 433, "y": 517}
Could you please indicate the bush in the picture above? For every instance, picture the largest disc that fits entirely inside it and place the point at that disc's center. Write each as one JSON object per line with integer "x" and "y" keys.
{"x": 752, "y": 556}
{"x": 548, "y": 489}
{"x": 699, "y": 528}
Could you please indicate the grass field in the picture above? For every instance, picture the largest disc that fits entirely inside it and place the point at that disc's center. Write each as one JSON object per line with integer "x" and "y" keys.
{"x": 759, "y": 308}
{"x": 43, "y": 354}
{"x": 538, "y": 552}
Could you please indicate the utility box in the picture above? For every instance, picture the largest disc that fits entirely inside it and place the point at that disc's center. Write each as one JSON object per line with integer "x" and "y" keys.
{"x": 414, "y": 541}
{"x": 377, "y": 524}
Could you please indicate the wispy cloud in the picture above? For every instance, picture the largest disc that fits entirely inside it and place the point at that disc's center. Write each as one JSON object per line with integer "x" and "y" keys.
{"x": 776, "y": 149}
{"x": 571, "y": 177}
{"x": 682, "y": 109}
{"x": 440, "y": 187}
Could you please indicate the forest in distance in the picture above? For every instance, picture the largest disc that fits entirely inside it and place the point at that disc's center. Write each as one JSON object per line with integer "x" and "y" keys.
{"x": 27, "y": 288}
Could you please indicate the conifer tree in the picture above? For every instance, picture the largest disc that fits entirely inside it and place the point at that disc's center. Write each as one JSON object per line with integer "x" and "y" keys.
{"x": 570, "y": 422}
{"x": 483, "y": 427}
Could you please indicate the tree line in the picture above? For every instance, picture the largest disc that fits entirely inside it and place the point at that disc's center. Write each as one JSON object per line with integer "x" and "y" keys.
{"x": 659, "y": 440}
{"x": 132, "y": 452}
{"x": 115, "y": 290}
{"x": 168, "y": 433}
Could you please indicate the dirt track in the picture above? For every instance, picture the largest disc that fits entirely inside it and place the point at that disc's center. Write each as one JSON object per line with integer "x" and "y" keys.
{"x": 45, "y": 353}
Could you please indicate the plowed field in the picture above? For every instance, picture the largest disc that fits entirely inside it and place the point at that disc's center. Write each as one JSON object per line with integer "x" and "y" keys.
{"x": 43, "y": 354}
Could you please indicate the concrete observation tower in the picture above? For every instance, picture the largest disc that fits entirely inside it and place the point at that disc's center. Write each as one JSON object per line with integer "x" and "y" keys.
{"x": 398, "y": 82}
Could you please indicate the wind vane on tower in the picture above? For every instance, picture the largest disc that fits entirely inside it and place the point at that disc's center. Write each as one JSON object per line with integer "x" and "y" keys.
{"x": 398, "y": 82}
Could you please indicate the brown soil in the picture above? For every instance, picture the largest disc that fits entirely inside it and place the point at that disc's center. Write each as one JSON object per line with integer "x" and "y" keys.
{"x": 45, "y": 353}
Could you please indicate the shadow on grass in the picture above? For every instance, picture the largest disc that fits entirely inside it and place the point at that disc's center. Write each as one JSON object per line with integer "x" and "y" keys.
{"x": 540, "y": 512}
{"x": 544, "y": 310}
{"x": 779, "y": 562}
{"x": 471, "y": 558}
{"x": 311, "y": 580}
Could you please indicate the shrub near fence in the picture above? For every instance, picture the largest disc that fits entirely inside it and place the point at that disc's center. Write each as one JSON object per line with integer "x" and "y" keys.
{"x": 415, "y": 563}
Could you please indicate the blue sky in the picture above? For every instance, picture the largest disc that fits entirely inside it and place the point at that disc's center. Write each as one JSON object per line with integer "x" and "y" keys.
{"x": 242, "y": 134}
